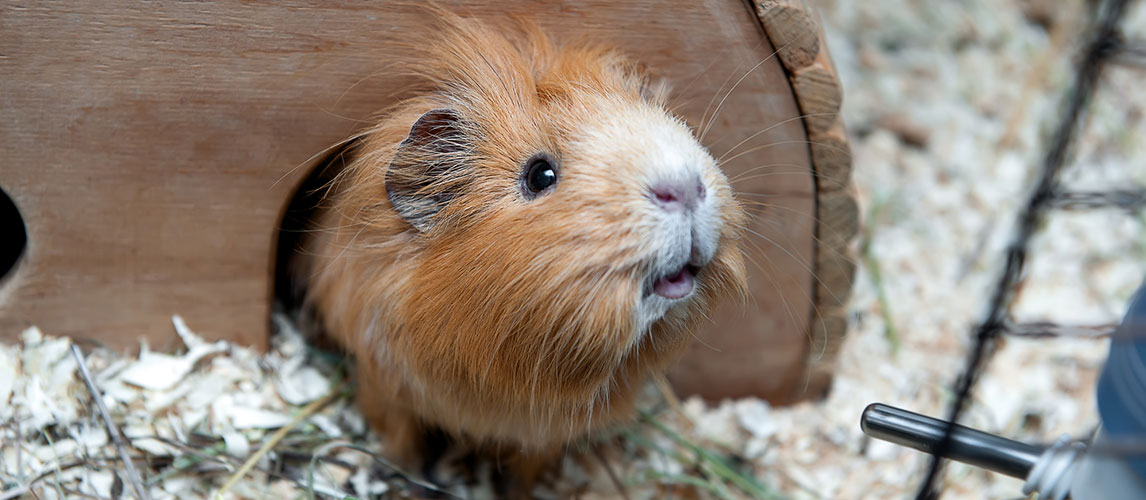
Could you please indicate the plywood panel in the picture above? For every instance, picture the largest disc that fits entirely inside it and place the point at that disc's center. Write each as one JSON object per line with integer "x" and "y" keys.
{"x": 152, "y": 146}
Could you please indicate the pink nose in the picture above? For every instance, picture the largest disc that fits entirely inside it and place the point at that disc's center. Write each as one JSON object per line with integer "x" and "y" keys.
{"x": 678, "y": 196}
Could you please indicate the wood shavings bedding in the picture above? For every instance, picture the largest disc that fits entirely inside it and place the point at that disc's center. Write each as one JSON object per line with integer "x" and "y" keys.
{"x": 193, "y": 417}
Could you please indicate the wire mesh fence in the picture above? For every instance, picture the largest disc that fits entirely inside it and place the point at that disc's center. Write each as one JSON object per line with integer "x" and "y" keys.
{"x": 1106, "y": 45}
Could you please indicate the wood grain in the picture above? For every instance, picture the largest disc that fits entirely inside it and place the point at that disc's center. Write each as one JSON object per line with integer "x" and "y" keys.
{"x": 152, "y": 150}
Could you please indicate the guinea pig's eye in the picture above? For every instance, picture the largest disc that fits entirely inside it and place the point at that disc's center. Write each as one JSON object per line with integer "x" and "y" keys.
{"x": 539, "y": 175}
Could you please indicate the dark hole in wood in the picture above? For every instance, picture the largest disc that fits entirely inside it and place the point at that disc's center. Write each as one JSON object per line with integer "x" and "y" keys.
{"x": 297, "y": 223}
{"x": 13, "y": 235}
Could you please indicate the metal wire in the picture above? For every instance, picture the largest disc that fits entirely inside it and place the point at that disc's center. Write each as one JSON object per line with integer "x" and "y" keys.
{"x": 1125, "y": 199}
{"x": 1131, "y": 53}
{"x": 1104, "y": 43}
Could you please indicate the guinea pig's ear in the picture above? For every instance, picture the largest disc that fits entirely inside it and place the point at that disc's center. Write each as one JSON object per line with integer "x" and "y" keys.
{"x": 424, "y": 175}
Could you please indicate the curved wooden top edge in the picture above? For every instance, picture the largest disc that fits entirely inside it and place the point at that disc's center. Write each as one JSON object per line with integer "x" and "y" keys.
{"x": 793, "y": 28}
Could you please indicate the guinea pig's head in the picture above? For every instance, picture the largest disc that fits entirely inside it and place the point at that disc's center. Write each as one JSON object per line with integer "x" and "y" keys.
{"x": 563, "y": 228}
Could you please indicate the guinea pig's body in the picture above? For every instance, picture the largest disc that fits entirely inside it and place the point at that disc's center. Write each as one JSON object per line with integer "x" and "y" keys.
{"x": 512, "y": 254}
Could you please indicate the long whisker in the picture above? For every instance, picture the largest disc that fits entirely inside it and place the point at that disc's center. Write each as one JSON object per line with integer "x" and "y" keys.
{"x": 744, "y": 176}
{"x": 772, "y": 174}
{"x": 712, "y": 100}
{"x": 794, "y": 258}
{"x": 696, "y": 78}
{"x": 771, "y": 195}
{"x": 367, "y": 77}
{"x": 766, "y": 129}
{"x": 800, "y": 168}
{"x": 768, "y": 273}
{"x": 779, "y": 143}
{"x": 320, "y": 153}
{"x": 781, "y": 207}
{"x": 720, "y": 106}
{"x": 817, "y": 239}
{"x": 815, "y": 308}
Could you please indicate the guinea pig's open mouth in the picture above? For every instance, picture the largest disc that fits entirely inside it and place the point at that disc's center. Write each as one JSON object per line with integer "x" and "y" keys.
{"x": 677, "y": 284}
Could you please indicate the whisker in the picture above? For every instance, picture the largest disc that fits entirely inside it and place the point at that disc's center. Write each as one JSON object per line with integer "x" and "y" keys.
{"x": 777, "y": 223}
{"x": 320, "y": 153}
{"x": 697, "y": 337}
{"x": 712, "y": 100}
{"x": 708, "y": 68}
{"x": 719, "y": 106}
{"x": 769, "y": 174}
{"x": 782, "y": 207}
{"x": 768, "y": 273}
{"x": 777, "y": 124}
{"x": 794, "y": 258}
{"x": 815, "y": 309}
{"x": 800, "y": 168}
{"x": 808, "y": 173}
{"x": 780, "y": 143}
{"x": 771, "y": 195}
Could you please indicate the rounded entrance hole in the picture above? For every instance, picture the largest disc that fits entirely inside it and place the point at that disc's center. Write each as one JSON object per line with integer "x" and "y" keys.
{"x": 296, "y": 225}
{"x": 13, "y": 235}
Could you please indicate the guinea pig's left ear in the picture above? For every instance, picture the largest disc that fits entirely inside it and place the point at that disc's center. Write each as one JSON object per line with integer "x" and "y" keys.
{"x": 426, "y": 172}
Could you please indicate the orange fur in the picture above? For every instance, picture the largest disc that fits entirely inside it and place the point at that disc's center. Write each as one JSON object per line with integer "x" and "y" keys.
{"x": 510, "y": 322}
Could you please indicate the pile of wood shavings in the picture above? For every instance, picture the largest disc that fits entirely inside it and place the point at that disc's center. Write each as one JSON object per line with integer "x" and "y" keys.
{"x": 192, "y": 419}
{"x": 947, "y": 103}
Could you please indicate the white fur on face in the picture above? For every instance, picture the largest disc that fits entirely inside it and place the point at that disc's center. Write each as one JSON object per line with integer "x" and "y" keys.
{"x": 640, "y": 147}
{"x": 685, "y": 237}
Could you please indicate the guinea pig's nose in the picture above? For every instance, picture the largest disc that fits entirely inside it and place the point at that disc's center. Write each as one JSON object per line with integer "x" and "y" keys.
{"x": 677, "y": 196}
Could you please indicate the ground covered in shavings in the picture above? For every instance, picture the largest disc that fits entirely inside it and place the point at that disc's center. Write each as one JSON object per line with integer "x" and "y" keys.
{"x": 947, "y": 103}
{"x": 192, "y": 420}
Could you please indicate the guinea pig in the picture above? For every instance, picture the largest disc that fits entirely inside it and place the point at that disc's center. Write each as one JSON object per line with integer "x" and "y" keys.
{"x": 511, "y": 253}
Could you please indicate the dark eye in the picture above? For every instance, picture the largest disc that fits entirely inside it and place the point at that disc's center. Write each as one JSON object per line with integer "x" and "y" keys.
{"x": 539, "y": 175}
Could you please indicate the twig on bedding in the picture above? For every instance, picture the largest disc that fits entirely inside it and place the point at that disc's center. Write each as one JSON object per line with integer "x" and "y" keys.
{"x": 54, "y": 468}
{"x": 15, "y": 492}
{"x": 714, "y": 463}
{"x": 621, "y": 490}
{"x": 669, "y": 395}
{"x": 329, "y": 447}
{"x": 112, "y": 430}
{"x": 306, "y": 412}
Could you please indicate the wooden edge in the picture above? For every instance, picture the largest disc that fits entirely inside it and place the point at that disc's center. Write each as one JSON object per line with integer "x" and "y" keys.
{"x": 818, "y": 94}
{"x": 835, "y": 263}
{"x": 791, "y": 26}
{"x": 832, "y": 157}
{"x": 838, "y": 224}
{"x": 792, "y": 31}
{"x": 826, "y": 338}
